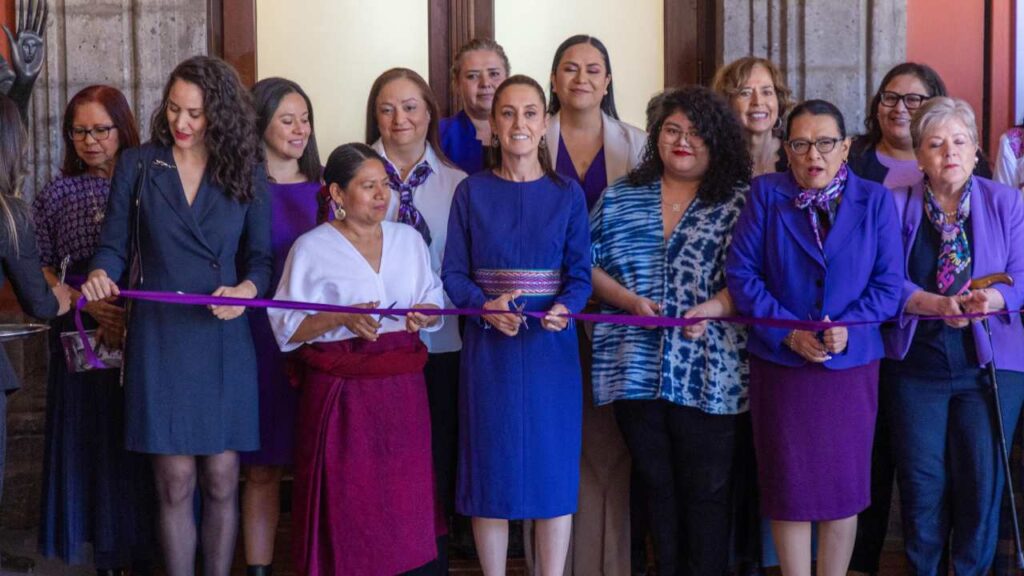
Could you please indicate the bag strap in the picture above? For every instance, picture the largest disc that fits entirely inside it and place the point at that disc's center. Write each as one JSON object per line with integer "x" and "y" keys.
{"x": 134, "y": 244}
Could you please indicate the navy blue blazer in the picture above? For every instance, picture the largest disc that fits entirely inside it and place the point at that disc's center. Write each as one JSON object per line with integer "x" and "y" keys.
{"x": 190, "y": 379}
{"x": 21, "y": 266}
{"x": 776, "y": 270}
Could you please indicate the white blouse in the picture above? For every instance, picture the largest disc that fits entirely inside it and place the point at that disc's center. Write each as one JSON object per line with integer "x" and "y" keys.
{"x": 1009, "y": 167}
{"x": 433, "y": 199}
{"x": 324, "y": 267}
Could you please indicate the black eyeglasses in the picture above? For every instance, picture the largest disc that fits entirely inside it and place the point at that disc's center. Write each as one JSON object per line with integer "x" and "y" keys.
{"x": 911, "y": 101}
{"x": 99, "y": 133}
{"x": 824, "y": 145}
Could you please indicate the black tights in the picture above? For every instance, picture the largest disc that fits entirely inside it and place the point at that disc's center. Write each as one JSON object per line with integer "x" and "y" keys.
{"x": 175, "y": 486}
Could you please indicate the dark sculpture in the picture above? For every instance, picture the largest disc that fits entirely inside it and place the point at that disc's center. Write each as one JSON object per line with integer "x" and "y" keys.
{"x": 26, "y": 53}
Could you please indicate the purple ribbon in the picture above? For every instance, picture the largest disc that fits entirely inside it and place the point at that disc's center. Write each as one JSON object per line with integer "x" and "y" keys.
{"x": 622, "y": 319}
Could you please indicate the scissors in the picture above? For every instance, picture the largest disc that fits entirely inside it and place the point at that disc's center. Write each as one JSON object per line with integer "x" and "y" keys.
{"x": 382, "y": 316}
{"x": 64, "y": 268}
{"x": 519, "y": 309}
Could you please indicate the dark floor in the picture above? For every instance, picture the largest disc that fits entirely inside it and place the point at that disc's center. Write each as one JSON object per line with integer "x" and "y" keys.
{"x": 23, "y": 543}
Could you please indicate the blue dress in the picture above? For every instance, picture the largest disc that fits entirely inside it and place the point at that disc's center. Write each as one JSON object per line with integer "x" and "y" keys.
{"x": 520, "y": 399}
{"x": 190, "y": 379}
{"x": 93, "y": 490}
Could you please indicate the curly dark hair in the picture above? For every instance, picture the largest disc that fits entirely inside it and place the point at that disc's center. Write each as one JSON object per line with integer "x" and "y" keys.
{"x": 729, "y": 165}
{"x": 232, "y": 144}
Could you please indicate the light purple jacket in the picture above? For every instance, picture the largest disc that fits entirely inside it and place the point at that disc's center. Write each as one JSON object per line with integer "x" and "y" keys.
{"x": 997, "y": 245}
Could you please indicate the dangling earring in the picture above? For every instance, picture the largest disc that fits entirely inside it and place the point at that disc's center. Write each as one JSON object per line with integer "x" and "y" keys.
{"x": 544, "y": 142}
{"x": 495, "y": 143}
{"x": 339, "y": 212}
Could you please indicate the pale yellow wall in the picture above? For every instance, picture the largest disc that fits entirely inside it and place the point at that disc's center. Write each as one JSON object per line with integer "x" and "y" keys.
{"x": 335, "y": 49}
{"x": 531, "y": 30}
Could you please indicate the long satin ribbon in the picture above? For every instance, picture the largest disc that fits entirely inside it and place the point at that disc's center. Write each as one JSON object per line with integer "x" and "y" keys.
{"x": 623, "y": 319}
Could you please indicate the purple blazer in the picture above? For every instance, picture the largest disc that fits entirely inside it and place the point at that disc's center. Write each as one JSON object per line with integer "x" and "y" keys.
{"x": 997, "y": 229}
{"x": 776, "y": 270}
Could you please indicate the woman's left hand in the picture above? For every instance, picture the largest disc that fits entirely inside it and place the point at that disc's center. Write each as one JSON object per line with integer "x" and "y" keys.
{"x": 835, "y": 339}
{"x": 554, "y": 321}
{"x": 414, "y": 321}
{"x": 695, "y": 331}
{"x": 245, "y": 290}
{"x": 982, "y": 301}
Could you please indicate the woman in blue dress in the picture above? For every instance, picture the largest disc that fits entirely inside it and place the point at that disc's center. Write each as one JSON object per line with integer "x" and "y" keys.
{"x": 518, "y": 238}
{"x": 191, "y": 209}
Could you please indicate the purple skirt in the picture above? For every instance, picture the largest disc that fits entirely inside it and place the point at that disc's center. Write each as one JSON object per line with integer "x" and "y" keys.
{"x": 813, "y": 431}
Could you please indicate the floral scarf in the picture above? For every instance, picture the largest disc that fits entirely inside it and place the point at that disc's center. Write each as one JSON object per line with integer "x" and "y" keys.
{"x": 823, "y": 202}
{"x": 954, "y": 270}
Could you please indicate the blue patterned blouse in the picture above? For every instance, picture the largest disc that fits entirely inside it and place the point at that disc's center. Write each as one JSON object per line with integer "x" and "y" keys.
{"x": 632, "y": 363}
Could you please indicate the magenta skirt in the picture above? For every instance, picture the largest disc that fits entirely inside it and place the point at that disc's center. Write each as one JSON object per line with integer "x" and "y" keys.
{"x": 364, "y": 500}
{"x": 813, "y": 431}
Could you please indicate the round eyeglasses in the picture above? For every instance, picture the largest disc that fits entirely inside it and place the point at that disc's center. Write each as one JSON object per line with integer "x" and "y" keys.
{"x": 911, "y": 101}
{"x": 823, "y": 145}
{"x": 78, "y": 134}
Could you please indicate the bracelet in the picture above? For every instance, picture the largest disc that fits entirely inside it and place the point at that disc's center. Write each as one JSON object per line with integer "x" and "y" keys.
{"x": 788, "y": 340}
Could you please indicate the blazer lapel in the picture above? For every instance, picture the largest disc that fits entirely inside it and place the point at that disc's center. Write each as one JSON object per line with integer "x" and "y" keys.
{"x": 165, "y": 177}
{"x": 616, "y": 148}
{"x": 851, "y": 213}
{"x": 912, "y": 209}
{"x": 799, "y": 226}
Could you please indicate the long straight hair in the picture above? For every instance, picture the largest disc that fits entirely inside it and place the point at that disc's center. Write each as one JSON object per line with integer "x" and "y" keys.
{"x": 433, "y": 129}
{"x": 267, "y": 95}
{"x": 608, "y": 101}
{"x": 12, "y": 174}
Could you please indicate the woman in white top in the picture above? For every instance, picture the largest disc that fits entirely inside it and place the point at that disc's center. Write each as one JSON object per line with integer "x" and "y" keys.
{"x": 402, "y": 126}
{"x": 590, "y": 145}
{"x": 1010, "y": 158}
{"x": 364, "y": 498}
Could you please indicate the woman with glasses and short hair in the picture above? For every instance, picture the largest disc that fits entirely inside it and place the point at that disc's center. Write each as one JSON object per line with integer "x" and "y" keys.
{"x": 815, "y": 243}
{"x": 94, "y": 491}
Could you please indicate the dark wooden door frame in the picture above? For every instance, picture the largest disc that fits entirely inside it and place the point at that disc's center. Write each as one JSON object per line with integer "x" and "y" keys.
{"x": 690, "y": 38}
{"x": 451, "y": 24}
{"x": 691, "y": 41}
{"x": 231, "y": 35}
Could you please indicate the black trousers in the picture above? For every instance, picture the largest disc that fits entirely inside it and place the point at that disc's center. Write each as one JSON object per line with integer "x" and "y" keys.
{"x": 687, "y": 460}
{"x": 873, "y": 522}
{"x": 442, "y": 376}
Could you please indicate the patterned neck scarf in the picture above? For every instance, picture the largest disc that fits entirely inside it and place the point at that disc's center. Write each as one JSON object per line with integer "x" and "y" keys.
{"x": 954, "y": 270}
{"x": 407, "y": 212}
{"x": 823, "y": 202}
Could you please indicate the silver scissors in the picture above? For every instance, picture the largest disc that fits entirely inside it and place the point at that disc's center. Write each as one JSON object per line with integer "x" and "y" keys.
{"x": 382, "y": 316}
{"x": 64, "y": 268}
{"x": 519, "y": 309}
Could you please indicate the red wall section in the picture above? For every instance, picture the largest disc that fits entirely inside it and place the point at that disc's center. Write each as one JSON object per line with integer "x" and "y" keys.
{"x": 6, "y": 17}
{"x": 949, "y": 35}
